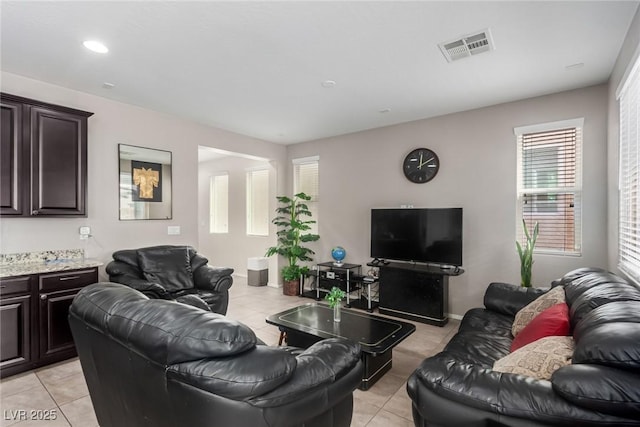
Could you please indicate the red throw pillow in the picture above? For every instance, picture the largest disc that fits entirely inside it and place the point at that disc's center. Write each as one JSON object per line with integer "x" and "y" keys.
{"x": 554, "y": 321}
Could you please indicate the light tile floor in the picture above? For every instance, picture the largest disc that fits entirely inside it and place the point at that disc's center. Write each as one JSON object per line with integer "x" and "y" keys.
{"x": 59, "y": 391}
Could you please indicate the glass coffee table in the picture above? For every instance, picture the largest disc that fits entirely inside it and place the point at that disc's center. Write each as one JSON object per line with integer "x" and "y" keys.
{"x": 310, "y": 323}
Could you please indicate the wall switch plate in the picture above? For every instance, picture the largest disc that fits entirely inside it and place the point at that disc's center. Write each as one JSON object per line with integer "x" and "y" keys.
{"x": 173, "y": 230}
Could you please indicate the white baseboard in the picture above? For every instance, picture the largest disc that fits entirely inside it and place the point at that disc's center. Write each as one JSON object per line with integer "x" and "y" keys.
{"x": 454, "y": 316}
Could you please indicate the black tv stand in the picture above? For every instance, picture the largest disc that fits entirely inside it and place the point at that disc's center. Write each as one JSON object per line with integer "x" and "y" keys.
{"x": 417, "y": 292}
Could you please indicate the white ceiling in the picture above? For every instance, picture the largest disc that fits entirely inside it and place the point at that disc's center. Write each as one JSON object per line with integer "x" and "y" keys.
{"x": 256, "y": 68}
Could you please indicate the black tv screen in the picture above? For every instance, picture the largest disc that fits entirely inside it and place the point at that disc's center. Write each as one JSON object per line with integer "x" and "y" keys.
{"x": 420, "y": 235}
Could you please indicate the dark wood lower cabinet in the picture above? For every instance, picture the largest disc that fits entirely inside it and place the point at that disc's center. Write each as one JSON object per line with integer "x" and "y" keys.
{"x": 55, "y": 335}
{"x": 15, "y": 340}
{"x": 34, "y": 329}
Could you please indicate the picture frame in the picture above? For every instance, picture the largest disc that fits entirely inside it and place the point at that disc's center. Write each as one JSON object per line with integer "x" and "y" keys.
{"x": 145, "y": 177}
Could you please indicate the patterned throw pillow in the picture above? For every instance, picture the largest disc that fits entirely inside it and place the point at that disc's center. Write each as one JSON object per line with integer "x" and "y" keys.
{"x": 540, "y": 304}
{"x": 540, "y": 359}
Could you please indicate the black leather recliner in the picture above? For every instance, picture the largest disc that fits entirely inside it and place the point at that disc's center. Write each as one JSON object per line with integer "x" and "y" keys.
{"x": 157, "y": 363}
{"x": 173, "y": 273}
{"x": 601, "y": 387}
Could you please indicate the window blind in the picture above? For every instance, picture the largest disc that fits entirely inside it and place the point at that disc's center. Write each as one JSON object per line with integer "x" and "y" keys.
{"x": 306, "y": 179}
{"x": 219, "y": 204}
{"x": 549, "y": 188}
{"x": 258, "y": 202}
{"x": 629, "y": 179}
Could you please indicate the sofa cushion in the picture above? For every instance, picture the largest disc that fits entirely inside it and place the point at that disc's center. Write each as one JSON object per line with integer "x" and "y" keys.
{"x": 581, "y": 284}
{"x": 600, "y": 294}
{"x": 167, "y": 266}
{"x": 554, "y": 321}
{"x": 539, "y": 359}
{"x": 609, "y": 335}
{"x": 540, "y": 304}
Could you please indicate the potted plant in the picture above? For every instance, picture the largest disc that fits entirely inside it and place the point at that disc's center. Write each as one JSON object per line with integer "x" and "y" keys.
{"x": 526, "y": 254}
{"x": 334, "y": 297}
{"x": 293, "y": 221}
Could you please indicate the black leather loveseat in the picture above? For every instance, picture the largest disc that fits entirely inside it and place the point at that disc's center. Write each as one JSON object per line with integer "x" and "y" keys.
{"x": 173, "y": 273}
{"x": 599, "y": 387}
{"x": 160, "y": 363}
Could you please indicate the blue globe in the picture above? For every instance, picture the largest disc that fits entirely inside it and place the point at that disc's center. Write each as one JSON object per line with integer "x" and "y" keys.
{"x": 338, "y": 253}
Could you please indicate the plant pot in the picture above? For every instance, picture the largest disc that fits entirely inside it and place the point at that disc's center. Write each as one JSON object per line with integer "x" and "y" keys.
{"x": 291, "y": 287}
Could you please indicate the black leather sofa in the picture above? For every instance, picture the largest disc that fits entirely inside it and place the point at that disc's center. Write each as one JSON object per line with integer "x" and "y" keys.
{"x": 173, "y": 273}
{"x": 601, "y": 386}
{"x": 159, "y": 363}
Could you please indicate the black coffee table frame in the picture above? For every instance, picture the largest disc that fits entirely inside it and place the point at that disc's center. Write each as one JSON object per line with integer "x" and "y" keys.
{"x": 310, "y": 323}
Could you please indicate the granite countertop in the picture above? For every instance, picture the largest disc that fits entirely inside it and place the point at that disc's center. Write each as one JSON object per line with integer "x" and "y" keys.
{"x": 9, "y": 270}
{"x": 25, "y": 263}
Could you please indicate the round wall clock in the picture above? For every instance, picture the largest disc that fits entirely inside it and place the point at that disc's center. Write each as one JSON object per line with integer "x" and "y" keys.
{"x": 421, "y": 165}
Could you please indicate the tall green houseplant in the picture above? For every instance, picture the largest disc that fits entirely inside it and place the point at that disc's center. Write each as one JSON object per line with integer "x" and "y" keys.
{"x": 526, "y": 254}
{"x": 294, "y": 222}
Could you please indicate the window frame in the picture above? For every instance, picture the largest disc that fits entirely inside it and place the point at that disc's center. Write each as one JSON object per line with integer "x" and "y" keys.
{"x": 559, "y": 191}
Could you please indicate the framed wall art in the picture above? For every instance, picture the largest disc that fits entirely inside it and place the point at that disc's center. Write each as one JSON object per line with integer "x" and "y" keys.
{"x": 145, "y": 183}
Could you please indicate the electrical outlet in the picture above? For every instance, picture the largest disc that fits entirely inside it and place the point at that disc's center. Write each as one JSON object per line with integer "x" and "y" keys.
{"x": 173, "y": 230}
{"x": 85, "y": 232}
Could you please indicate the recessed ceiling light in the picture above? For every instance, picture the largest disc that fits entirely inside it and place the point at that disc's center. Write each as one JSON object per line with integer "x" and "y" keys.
{"x": 108, "y": 85}
{"x": 95, "y": 46}
{"x": 384, "y": 110}
{"x": 328, "y": 84}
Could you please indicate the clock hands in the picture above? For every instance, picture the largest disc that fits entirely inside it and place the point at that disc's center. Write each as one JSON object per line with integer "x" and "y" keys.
{"x": 425, "y": 163}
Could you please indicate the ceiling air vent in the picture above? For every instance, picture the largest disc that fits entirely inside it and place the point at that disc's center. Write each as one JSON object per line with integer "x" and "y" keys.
{"x": 468, "y": 45}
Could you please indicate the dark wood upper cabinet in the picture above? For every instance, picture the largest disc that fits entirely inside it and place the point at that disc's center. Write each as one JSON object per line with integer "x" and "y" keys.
{"x": 11, "y": 158}
{"x": 43, "y": 159}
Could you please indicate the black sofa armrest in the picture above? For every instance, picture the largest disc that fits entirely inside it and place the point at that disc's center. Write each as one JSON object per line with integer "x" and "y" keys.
{"x": 320, "y": 365}
{"x": 213, "y": 278}
{"x": 508, "y": 299}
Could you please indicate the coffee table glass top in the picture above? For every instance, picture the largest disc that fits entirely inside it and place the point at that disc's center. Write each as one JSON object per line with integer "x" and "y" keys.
{"x": 374, "y": 333}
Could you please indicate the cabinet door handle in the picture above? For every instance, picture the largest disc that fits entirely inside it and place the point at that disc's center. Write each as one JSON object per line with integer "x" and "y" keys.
{"x": 3, "y": 286}
{"x": 69, "y": 278}
{"x": 43, "y": 297}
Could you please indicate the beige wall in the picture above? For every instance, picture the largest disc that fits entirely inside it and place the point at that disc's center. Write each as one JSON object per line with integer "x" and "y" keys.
{"x": 477, "y": 152}
{"x": 629, "y": 52}
{"x": 114, "y": 123}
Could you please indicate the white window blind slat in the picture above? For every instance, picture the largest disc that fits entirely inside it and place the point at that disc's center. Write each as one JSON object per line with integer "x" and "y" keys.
{"x": 629, "y": 178}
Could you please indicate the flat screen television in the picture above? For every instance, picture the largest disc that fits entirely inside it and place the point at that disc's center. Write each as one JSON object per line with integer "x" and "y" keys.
{"x": 420, "y": 235}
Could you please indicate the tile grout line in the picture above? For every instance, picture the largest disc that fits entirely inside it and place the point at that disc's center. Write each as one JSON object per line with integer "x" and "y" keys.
{"x": 52, "y": 398}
